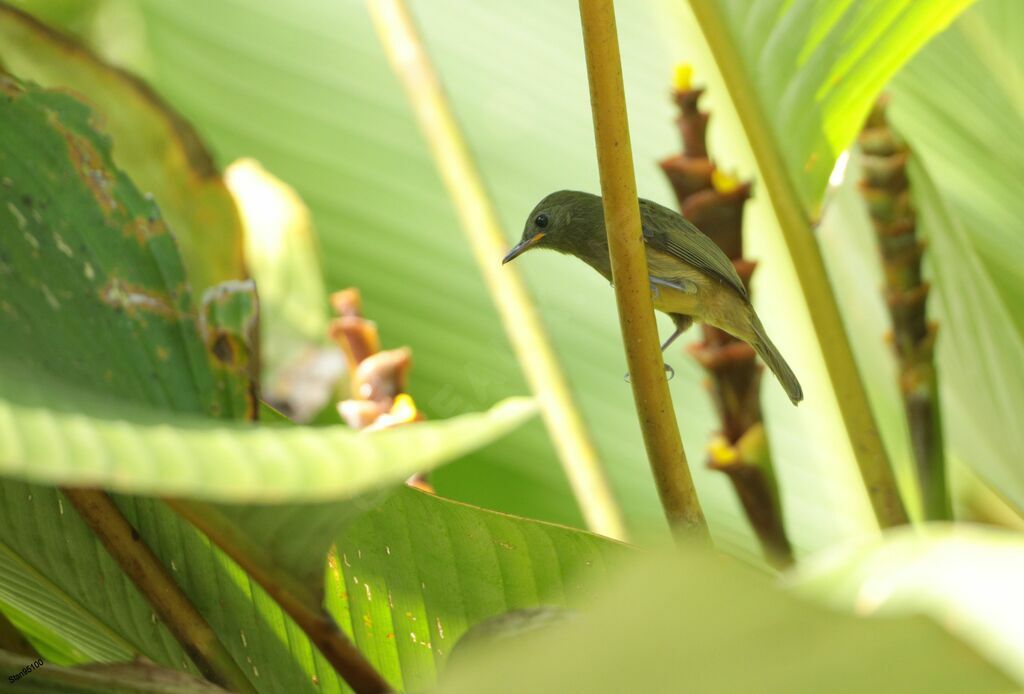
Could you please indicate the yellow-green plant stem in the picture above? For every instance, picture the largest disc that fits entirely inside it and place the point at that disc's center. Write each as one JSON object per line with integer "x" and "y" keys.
{"x": 629, "y": 271}
{"x": 154, "y": 581}
{"x": 861, "y": 428}
{"x": 480, "y": 222}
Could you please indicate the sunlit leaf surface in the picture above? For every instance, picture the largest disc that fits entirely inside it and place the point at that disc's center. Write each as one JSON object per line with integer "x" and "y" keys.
{"x": 412, "y": 575}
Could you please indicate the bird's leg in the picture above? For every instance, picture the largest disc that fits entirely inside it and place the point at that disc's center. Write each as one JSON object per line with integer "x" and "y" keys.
{"x": 682, "y": 323}
{"x": 672, "y": 338}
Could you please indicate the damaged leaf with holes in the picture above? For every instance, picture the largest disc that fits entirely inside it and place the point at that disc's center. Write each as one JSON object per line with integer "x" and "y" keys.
{"x": 103, "y": 348}
{"x": 229, "y": 325}
{"x": 85, "y": 255}
{"x": 152, "y": 143}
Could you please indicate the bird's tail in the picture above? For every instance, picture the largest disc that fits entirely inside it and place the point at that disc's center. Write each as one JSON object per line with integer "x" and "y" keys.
{"x": 767, "y": 351}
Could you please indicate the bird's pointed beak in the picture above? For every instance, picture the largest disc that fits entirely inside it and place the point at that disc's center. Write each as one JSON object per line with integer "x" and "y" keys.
{"x": 522, "y": 247}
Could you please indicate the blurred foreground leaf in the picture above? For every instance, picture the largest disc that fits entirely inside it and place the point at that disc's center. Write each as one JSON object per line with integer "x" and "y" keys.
{"x": 298, "y": 368}
{"x": 702, "y": 623}
{"x": 281, "y": 250}
{"x": 966, "y": 578}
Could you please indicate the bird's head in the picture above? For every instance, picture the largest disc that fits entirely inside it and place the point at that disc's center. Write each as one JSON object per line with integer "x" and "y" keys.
{"x": 562, "y": 221}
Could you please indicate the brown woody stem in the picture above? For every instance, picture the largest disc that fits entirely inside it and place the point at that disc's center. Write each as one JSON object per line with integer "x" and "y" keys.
{"x": 151, "y": 577}
{"x": 296, "y": 599}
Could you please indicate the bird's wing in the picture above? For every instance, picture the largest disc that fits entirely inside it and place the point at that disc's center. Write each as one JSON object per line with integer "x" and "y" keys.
{"x": 670, "y": 232}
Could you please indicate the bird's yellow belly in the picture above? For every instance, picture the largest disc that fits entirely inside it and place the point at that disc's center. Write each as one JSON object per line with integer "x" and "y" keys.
{"x": 701, "y": 297}
{"x": 689, "y": 297}
{"x": 671, "y": 300}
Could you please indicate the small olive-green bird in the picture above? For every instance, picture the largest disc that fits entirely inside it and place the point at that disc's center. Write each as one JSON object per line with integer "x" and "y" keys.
{"x": 691, "y": 278}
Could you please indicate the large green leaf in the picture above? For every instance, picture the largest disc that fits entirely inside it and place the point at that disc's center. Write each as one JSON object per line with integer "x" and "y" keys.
{"x": 702, "y": 623}
{"x": 73, "y": 277}
{"x": 93, "y": 289}
{"x": 817, "y": 66}
{"x": 958, "y": 103}
{"x": 53, "y": 433}
{"x": 965, "y": 577}
{"x": 57, "y": 572}
{"x": 411, "y": 576}
{"x": 91, "y": 278}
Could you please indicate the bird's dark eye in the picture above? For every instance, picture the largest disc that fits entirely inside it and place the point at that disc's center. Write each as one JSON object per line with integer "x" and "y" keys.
{"x": 541, "y": 220}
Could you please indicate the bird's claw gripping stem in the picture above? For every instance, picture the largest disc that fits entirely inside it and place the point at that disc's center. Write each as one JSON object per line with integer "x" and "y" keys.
{"x": 668, "y": 369}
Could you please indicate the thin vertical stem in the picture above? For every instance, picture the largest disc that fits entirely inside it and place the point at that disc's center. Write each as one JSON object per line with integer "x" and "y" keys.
{"x": 480, "y": 222}
{"x": 629, "y": 271}
{"x": 886, "y": 191}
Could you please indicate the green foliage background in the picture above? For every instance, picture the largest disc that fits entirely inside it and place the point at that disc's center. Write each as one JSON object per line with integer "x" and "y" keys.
{"x": 323, "y": 112}
{"x": 304, "y": 88}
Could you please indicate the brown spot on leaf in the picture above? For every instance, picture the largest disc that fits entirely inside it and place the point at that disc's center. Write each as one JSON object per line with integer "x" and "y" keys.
{"x": 133, "y": 299}
{"x": 10, "y": 87}
{"x": 221, "y": 348}
{"x": 89, "y": 166}
{"x": 143, "y": 229}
